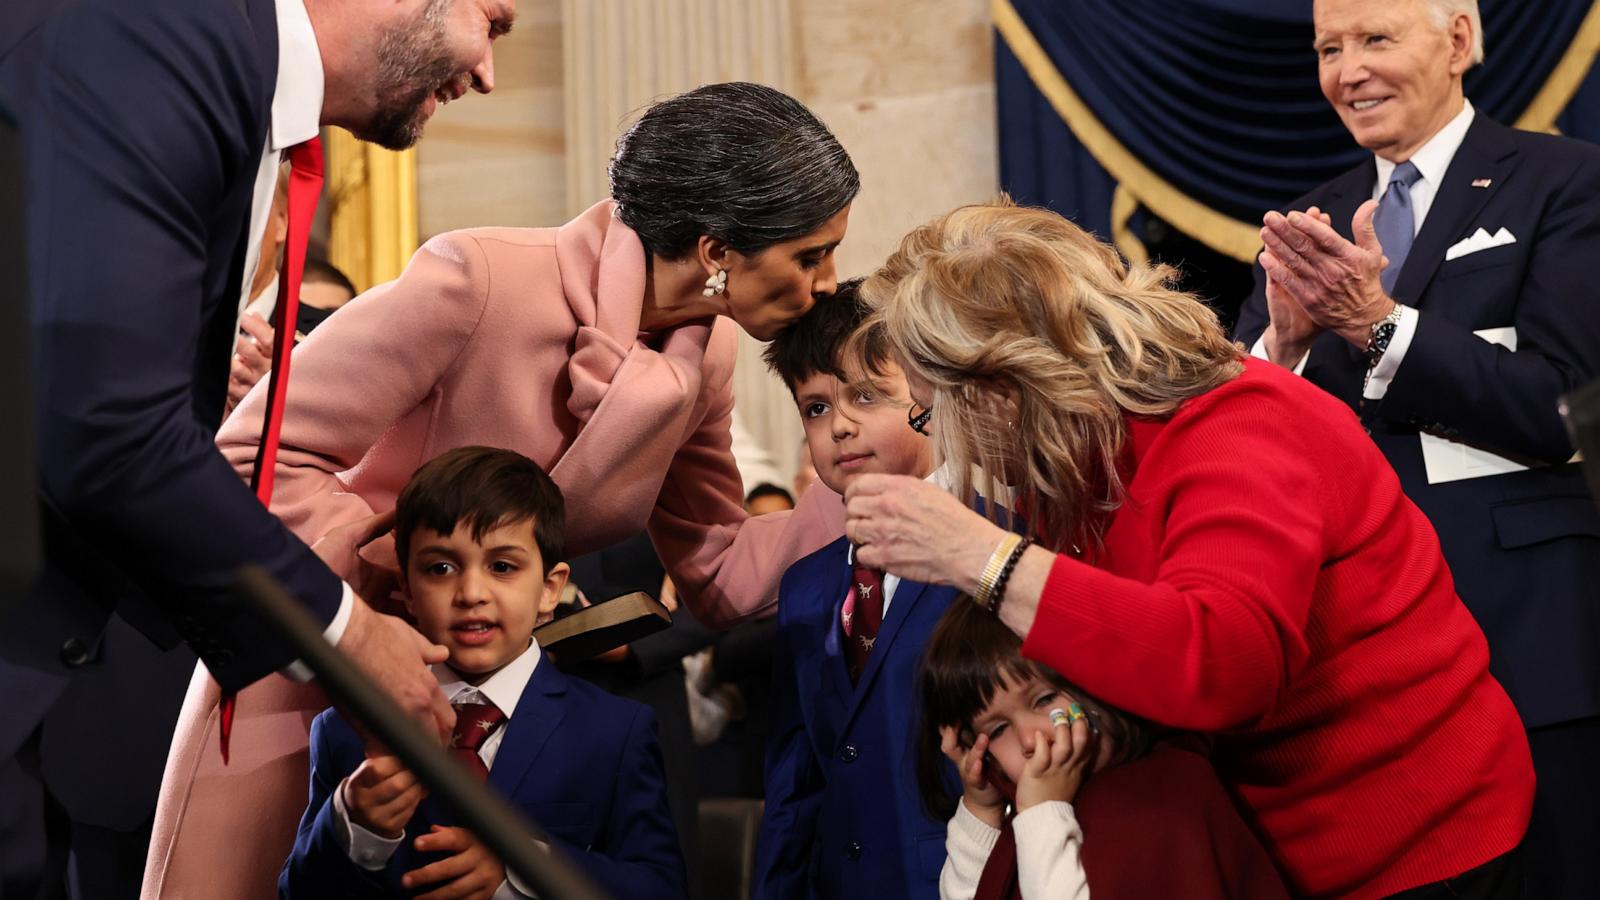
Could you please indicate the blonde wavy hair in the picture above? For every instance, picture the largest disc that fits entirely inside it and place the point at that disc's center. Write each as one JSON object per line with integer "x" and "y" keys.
{"x": 1038, "y": 341}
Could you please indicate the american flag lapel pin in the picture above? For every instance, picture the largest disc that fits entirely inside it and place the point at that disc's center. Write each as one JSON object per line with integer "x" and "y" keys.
{"x": 1482, "y": 182}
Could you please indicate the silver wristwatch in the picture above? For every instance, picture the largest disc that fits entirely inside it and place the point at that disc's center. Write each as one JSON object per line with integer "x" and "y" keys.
{"x": 1381, "y": 334}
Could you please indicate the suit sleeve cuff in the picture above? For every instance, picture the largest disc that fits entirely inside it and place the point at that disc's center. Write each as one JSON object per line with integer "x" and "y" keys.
{"x": 1389, "y": 363}
{"x": 1259, "y": 351}
{"x": 367, "y": 850}
{"x": 298, "y": 670}
{"x": 514, "y": 888}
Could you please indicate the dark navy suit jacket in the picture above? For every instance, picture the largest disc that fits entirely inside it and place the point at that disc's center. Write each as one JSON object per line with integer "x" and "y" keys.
{"x": 143, "y": 122}
{"x": 582, "y": 764}
{"x": 1524, "y": 547}
{"x": 843, "y": 815}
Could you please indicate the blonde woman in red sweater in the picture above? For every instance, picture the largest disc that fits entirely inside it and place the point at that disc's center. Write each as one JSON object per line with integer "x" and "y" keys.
{"x": 1215, "y": 546}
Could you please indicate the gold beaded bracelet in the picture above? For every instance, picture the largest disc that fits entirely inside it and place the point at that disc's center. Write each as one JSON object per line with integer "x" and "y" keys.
{"x": 991, "y": 571}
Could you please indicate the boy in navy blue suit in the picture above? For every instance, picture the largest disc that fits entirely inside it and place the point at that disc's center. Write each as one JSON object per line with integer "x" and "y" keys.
{"x": 479, "y": 533}
{"x": 843, "y": 815}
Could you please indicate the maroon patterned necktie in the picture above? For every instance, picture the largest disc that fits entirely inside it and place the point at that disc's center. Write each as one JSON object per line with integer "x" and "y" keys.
{"x": 861, "y": 617}
{"x": 474, "y": 723}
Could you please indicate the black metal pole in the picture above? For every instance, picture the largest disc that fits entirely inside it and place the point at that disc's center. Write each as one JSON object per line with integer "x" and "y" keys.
{"x": 509, "y": 835}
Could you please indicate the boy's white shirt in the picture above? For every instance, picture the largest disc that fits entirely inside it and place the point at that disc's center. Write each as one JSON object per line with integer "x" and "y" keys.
{"x": 504, "y": 689}
{"x": 1049, "y": 843}
{"x": 939, "y": 477}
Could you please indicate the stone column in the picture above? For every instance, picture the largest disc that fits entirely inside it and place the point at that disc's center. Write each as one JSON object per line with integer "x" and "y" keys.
{"x": 621, "y": 56}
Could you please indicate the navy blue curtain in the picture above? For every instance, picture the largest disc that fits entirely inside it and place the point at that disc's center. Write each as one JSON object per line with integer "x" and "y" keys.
{"x": 1219, "y": 98}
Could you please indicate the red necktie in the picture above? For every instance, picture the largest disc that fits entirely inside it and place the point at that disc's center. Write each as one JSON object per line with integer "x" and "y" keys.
{"x": 305, "y": 185}
{"x": 861, "y": 617}
{"x": 474, "y": 723}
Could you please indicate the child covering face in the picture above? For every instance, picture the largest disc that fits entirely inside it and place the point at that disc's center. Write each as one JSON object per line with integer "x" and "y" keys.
{"x": 1042, "y": 764}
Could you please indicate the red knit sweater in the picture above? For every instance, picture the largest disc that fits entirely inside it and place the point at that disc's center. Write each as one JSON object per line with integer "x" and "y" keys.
{"x": 1266, "y": 580}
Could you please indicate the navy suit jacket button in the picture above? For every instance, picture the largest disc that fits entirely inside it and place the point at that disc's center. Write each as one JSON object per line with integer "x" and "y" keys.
{"x": 848, "y": 753}
{"x": 852, "y": 850}
{"x": 74, "y": 653}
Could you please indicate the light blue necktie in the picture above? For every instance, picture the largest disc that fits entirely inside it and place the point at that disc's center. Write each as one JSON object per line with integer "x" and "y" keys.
{"x": 1395, "y": 221}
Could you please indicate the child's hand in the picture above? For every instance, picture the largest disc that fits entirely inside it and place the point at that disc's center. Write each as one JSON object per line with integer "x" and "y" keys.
{"x": 381, "y": 795}
{"x": 1056, "y": 768}
{"x": 252, "y": 357}
{"x": 471, "y": 871}
{"x": 983, "y": 799}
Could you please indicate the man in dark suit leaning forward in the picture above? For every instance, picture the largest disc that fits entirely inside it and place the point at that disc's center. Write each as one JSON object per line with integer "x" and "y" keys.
{"x": 153, "y": 132}
{"x": 1445, "y": 291}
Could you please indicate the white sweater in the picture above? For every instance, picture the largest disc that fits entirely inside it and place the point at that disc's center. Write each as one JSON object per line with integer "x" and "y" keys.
{"x": 1048, "y": 842}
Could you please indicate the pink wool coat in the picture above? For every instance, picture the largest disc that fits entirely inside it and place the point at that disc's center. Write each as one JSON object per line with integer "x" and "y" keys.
{"x": 507, "y": 337}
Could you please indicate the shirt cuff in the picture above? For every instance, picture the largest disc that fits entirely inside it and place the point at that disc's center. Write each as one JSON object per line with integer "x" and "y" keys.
{"x": 1057, "y": 811}
{"x": 513, "y": 888}
{"x": 298, "y": 670}
{"x": 367, "y": 850}
{"x": 1378, "y": 379}
{"x": 1048, "y": 846}
{"x": 1259, "y": 351}
{"x": 982, "y": 835}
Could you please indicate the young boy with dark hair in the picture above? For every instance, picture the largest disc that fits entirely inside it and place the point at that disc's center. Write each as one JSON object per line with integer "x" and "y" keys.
{"x": 843, "y": 816}
{"x": 479, "y": 533}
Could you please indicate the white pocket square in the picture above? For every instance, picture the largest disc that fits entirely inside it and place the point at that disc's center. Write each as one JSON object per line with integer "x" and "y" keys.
{"x": 1480, "y": 240}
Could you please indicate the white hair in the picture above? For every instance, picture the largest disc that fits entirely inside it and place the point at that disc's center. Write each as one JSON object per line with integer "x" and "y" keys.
{"x": 1445, "y": 10}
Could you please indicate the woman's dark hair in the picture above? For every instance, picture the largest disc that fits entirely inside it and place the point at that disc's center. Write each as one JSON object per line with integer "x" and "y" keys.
{"x": 482, "y": 488}
{"x": 969, "y": 657}
{"x": 740, "y": 162}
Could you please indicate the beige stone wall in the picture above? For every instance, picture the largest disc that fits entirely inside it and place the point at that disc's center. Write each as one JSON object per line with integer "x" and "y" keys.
{"x": 500, "y": 159}
{"x": 908, "y": 85}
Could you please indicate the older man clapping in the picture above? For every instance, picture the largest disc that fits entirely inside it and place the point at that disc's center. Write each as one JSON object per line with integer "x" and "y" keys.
{"x": 1442, "y": 290}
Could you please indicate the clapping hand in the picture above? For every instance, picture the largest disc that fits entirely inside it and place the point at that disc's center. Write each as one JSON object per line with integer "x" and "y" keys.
{"x": 1336, "y": 282}
{"x": 1290, "y": 329}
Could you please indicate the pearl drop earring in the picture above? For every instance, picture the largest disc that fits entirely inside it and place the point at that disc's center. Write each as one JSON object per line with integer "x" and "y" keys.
{"x": 717, "y": 283}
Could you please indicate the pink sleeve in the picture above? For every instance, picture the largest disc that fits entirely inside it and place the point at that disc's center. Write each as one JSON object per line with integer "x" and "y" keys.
{"x": 725, "y": 564}
{"x": 1212, "y": 640}
{"x": 358, "y": 374}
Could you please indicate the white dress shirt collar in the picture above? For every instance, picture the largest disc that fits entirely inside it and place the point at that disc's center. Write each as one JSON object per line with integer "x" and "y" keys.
{"x": 504, "y": 688}
{"x": 1434, "y": 157}
{"x": 297, "y": 100}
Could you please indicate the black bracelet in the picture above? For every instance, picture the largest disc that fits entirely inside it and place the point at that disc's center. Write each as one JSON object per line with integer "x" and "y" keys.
{"x": 998, "y": 593}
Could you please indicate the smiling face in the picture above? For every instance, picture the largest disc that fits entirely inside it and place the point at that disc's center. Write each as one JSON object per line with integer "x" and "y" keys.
{"x": 481, "y": 598}
{"x": 851, "y": 430}
{"x": 769, "y": 290}
{"x": 1391, "y": 74}
{"x": 432, "y": 58}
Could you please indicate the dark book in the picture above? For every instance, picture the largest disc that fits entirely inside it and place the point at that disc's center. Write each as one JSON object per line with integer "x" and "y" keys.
{"x": 592, "y": 630}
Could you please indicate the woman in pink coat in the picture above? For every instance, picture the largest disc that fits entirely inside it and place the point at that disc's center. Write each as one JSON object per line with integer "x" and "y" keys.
{"x": 602, "y": 350}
